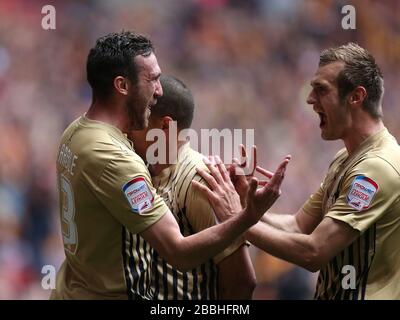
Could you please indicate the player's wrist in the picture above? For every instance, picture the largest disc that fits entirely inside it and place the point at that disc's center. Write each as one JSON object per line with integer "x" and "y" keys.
{"x": 246, "y": 218}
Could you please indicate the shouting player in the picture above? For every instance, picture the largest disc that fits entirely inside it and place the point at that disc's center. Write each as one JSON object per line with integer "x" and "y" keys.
{"x": 349, "y": 229}
{"x": 110, "y": 212}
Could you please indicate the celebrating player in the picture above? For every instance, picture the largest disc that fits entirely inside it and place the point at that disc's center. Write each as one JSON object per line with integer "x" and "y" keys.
{"x": 110, "y": 212}
{"x": 351, "y": 226}
{"x": 228, "y": 275}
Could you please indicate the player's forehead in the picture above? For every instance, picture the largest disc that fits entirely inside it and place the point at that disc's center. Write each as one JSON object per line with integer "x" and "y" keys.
{"x": 326, "y": 75}
{"x": 148, "y": 65}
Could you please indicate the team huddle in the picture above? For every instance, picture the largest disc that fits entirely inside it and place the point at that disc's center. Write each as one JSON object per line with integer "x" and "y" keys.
{"x": 182, "y": 229}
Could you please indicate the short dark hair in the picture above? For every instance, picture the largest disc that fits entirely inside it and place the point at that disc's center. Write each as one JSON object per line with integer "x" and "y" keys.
{"x": 176, "y": 102}
{"x": 360, "y": 69}
{"x": 113, "y": 56}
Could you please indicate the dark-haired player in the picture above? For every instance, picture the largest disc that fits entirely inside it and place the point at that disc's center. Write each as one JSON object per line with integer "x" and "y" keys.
{"x": 228, "y": 275}
{"x": 110, "y": 212}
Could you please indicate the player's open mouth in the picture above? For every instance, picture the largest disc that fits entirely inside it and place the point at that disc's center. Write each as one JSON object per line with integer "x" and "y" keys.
{"x": 322, "y": 119}
{"x": 151, "y": 105}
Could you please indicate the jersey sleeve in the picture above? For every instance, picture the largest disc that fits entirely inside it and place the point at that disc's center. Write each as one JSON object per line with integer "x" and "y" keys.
{"x": 313, "y": 206}
{"x": 201, "y": 216}
{"x": 125, "y": 189}
{"x": 369, "y": 191}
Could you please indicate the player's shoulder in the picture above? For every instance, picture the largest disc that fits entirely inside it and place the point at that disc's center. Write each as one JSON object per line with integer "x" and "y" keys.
{"x": 387, "y": 153}
{"x": 96, "y": 142}
{"x": 188, "y": 161}
{"x": 196, "y": 158}
{"x": 372, "y": 173}
{"x": 383, "y": 158}
{"x": 369, "y": 176}
{"x": 103, "y": 136}
{"x": 378, "y": 165}
{"x": 186, "y": 172}
{"x": 339, "y": 157}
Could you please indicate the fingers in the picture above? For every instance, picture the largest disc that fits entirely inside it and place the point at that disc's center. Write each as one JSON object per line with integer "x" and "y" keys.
{"x": 213, "y": 170}
{"x": 212, "y": 160}
{"x": 236, "y": 161}
{"x": 222, "y": 169}
{"x": 251, "y": 193}
{"x": 248, "y": 163}
{"x": 208, "y": 178}
{"x": 265, "y": 172}
{"x": 254, "y": 153}
{"x": 239, "y": 176}
{"x": 283, "y": 165}
{"x": 243, "y": 154}
{"x": 238, "y": 171}
{"x": 204, "y": 190}
{"x": 277, "y": 179}
{"x": 268, "y": 173}
{"x": 237, "y": 168}
{"x": 252, "y": 187}
{"x": 262, "y": 182}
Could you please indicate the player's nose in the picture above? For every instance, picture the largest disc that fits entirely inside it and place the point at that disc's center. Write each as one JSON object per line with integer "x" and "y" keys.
{"x": 311, "y": 98}
{"x": 158, "y": 91}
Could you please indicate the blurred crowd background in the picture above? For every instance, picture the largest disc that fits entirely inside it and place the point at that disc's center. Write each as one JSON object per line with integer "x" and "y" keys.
{"x": 248, "y": 64}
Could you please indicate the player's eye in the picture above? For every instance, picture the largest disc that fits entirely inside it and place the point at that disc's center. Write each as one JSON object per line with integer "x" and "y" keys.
{"x": 320, "y": 90}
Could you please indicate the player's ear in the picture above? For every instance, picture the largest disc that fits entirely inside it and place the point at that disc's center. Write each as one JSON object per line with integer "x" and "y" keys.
{"x": 166, "y": 122}
{"x": 357, "y": 96}
{"x": 121, "y": 85}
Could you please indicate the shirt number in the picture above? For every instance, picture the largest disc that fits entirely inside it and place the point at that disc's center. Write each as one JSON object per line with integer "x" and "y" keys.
{"x": 68, "y": 225}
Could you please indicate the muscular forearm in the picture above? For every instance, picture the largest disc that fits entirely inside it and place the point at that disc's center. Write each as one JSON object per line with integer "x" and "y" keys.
{"x": 284, "y": 222}
{"x": 191, "y": 251}
{"x": 293, "y": 247}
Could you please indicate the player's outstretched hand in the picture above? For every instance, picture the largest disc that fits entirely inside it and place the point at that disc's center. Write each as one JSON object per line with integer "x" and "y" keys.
{"x": 241, "y": 171}
{"x": 258, "y": 201}
{"x": 224, "y": 199}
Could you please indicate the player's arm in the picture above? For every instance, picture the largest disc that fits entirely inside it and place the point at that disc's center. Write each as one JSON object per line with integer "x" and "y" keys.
{"x": 300, "y": 222}
{"x": 351, "y": 214}
{"x": 242, "y": 171}
{"x": 185, "y": 253}
{"x": 308, "y": 251}
{"x": 236, "y": 278}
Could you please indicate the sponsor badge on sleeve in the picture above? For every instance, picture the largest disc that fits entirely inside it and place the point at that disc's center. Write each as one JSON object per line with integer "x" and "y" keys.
{"x": 361, "y": 193}
{"x": 139, "y": 195}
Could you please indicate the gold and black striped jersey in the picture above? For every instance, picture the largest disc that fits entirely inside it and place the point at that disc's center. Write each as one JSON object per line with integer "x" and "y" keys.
{"x": 363, "y": 191}
{"x": 193, "y": 214}
{"x": 106, "y": 199}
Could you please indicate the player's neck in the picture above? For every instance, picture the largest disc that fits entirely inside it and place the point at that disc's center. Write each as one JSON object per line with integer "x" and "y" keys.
{"x": 361, "y": 131}
{"x": 106, "y": 111}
